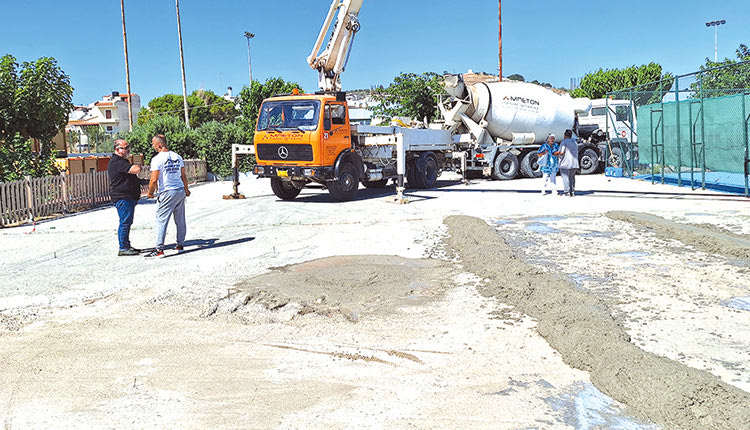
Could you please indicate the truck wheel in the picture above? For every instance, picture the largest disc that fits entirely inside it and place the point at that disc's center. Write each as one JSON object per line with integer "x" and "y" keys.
{"x": 284, "y": 190}
{"x": 506, "y": 166}
{"x": 589, "y": 162}
{"x": 530, "y": 165}
{"x": 427, "y": 171}
{"x": 345, "y": 187}
{"x": 375, "y": 184}
{"x": 616, "y": 158}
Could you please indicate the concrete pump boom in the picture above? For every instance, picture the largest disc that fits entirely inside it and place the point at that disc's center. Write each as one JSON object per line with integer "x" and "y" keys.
{"x": 331, "y": 62}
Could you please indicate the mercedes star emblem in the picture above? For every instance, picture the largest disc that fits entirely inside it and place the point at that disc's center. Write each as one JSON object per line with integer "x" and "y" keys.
{"x": 283, "y": 152}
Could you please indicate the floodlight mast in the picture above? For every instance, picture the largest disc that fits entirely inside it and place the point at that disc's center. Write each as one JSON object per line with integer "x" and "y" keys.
{"x": 715, "y": 25}
{"x": 331, "y": 62}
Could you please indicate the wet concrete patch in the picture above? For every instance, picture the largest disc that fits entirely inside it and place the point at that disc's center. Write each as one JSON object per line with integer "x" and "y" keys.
{"x": 709, "y": 239}
{"x": 586, "y": 408}
{"x": 538, "y": 227}
{"x": 631, "y": 254}
{"x": 547, "y": 218}
{"x": 739, "y": 303}
{"x": 598, "y": 234}
{"x": 352, "y": 285}
{"x": 583, "y": 330}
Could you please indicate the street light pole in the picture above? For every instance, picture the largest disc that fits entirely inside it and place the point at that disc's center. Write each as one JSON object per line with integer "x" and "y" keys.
{"x": 249, "y": 36}
{"x": 715, "y": 25}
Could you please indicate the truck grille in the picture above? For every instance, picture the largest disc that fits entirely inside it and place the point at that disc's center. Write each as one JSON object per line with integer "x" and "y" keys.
{"x": 293, "y": 152}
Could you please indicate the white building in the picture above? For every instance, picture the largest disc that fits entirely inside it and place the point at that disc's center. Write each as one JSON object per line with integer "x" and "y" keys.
{"x": 110, "y": 115}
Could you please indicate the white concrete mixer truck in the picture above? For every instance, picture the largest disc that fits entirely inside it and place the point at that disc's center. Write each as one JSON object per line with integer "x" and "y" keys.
{"x": 500, "y": 125}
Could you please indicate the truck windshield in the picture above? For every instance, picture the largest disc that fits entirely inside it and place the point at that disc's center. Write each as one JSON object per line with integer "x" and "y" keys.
{"x": 289, "y": 114}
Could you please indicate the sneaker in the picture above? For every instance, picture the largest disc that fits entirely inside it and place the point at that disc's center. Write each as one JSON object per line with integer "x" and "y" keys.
{"x": 156, "y": 253}
{"x": 130, "y": 251}
{"x": 179, "y": 248}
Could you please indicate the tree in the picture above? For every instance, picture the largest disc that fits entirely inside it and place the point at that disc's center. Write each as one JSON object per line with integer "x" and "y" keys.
{"x": 410, "y": 95}
{"x": 596, "y": 85}
{"x": 35, "y": 99}
{"x": 16, "y": 158}
{"x": 251, "y": 98}
{"x": 180, "y": 139}
{"x": 214, "y": 141}
{"x": 203, "y": 106}
{"x": 719, "y": 81}
{"x": 516, "y": 77}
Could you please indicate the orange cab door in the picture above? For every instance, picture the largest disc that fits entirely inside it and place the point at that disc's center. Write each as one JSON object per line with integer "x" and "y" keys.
{"x": 336, "y": 134}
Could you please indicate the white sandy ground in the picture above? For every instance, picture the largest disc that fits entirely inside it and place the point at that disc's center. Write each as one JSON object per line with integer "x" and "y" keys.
{"x": 92, "y": 340}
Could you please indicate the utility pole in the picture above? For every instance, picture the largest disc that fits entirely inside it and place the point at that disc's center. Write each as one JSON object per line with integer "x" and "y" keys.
{"x": 127, "y": 66}
{"x": 500, "y": 38}
{"x": 182, "y": 63}
{"x": 249, "y": 36}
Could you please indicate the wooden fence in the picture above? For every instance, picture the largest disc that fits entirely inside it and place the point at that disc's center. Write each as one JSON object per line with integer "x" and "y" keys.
{"x": 32, "y": 199}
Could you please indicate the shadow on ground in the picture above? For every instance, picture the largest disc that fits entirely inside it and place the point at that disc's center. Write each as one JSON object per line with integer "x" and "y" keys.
{"x": 202, "y": 244}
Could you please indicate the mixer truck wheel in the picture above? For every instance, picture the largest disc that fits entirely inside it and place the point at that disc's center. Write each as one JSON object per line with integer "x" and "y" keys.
{"x": 530, "y": 165}
{"x": 589, "y": 162}
{"x": 284, "y": 190}
{"x": 344, "y": 188}
{"x": 616, "y": 158}
{"x": 506, "y": 166}
{"x": 427, "y": 171}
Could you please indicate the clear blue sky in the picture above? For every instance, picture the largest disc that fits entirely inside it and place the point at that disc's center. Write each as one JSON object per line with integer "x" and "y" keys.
{"x": 550, "y": 41}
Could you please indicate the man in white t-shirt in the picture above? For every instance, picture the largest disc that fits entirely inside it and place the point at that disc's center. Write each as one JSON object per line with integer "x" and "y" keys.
{"x": 168, "y": 175}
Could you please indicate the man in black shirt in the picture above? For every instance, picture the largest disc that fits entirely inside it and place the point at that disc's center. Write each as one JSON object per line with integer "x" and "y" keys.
{"x": 125, "y": 190}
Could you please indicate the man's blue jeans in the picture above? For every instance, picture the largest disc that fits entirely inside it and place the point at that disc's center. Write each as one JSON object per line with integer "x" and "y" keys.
{"x": 126, "y": 210}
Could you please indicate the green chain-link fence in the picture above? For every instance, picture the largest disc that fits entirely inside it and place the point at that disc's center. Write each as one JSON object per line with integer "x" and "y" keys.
{"x": 693, "y": 129}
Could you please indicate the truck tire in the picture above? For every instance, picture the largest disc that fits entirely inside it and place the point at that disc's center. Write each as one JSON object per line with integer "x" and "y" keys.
{"x": 284, "y": 190}
{"x": 344, "y": 188}
{"x": 615, "y": 158}
{"x": 427, "y": 171}
{"x": 589, "y": 161}
{"x": 530, "y": 165}
{"x": 506, "y": 166}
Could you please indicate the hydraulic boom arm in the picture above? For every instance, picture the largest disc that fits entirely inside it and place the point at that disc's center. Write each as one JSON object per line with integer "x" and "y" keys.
{"x": 331, "y": 62}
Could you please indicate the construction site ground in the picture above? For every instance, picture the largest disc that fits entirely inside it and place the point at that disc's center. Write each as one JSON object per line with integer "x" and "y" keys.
{"x": 482, "y": 306}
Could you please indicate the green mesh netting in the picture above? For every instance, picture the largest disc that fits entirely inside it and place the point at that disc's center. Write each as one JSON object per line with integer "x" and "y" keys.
{"x": 719, "y": 124}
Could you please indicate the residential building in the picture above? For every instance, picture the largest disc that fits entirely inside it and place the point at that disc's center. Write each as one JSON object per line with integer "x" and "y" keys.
{"x": 109, "y": 115}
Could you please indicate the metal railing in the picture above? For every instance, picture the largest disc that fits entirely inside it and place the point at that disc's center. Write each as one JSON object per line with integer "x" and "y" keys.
{"x": 693, "y": 129}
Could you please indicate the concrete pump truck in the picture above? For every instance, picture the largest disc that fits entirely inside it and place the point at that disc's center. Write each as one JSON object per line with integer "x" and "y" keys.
{"x": 307, "y": 138}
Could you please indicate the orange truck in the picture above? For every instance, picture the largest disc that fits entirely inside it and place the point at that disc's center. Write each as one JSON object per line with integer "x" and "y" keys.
{"x": 308, "y": 138}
